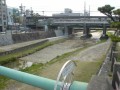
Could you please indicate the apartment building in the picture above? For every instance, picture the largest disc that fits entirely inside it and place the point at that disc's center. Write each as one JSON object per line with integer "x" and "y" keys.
{"x": 3, "y": 15}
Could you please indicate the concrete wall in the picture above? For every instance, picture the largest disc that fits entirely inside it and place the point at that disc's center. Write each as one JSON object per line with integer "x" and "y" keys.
{"x": 59, "y": 32}
{"x": 17, "y": 38}
{"x": 23, "y": 48}
{"x": 6, "y": 39}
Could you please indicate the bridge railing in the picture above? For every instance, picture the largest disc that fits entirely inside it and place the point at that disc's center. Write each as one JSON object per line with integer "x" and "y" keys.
{"x": 63, "y": 81}
{"x": 117, "y": 81}
{"x": 79, "y": 21}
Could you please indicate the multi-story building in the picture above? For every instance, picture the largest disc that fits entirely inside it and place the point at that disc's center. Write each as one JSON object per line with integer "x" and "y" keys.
{"x": 68, "y": 12}
{"x": 13, "y": 17}
{"x": 10, "y": 17}
{"x": 3, "y": 15}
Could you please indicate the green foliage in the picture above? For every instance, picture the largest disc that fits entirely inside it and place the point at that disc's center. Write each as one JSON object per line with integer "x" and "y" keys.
{"x": 3, "y": 82}
{"x": 12, "y": 57}
{"x": 114, "y": 38}
{"x": 85, "y": 70}
{"x": 116, "y": 12}
{"x": 107, "y": 10}
{"x": 33, "y": 69}
{"x": 115, "y": 25}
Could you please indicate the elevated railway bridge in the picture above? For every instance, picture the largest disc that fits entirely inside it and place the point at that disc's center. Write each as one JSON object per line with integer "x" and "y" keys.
{"x": 67, "y": 23}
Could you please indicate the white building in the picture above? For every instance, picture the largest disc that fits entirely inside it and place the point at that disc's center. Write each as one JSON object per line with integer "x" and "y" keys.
{"x": 68, "y": 12}
{"x": 3, "y": 15}
{"x": 10, "y": 16}
{"x": 13, "y": 16}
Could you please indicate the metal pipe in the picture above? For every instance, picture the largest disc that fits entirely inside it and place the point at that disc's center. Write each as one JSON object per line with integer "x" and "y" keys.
{"x": 40, "y": 82}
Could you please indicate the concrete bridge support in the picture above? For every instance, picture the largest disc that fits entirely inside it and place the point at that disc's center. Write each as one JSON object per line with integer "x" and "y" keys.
{"x": 104, "y": 35}
{"x": 66, "y": 30}
{"x": 59, "y": 32}
{"x": 86, "y": 32}
{"x": 70, "y": 30}
{"x": 46, "y": 27}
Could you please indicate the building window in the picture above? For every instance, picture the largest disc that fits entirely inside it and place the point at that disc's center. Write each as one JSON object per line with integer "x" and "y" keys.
{"x": 9, "y": 13}
{"x": 4, "y": 23}
{"x": 0, "y": 21}
{"x": 3, "y": 2}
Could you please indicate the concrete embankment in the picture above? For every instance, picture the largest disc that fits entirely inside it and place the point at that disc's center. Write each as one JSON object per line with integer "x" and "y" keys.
{"x": 9, "y": 38}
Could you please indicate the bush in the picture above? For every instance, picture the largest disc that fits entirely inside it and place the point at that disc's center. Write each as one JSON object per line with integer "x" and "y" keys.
{"x": 114, "y": 38}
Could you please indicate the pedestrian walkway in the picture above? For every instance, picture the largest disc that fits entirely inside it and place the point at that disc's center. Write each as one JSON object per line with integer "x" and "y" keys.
{"x": 19, "y": 45}
{"x": 23, "y": 44}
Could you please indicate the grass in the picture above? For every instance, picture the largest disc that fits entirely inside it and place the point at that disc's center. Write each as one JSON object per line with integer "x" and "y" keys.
{"x": 1, "y": 50}
{"x": 3, "y": 82}
{"x": 83, "y": 72}
{"x": 12, "y": 57}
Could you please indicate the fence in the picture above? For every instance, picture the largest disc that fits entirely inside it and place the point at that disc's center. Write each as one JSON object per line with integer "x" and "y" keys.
{"x": 117, "y": 83}
{"x": 115, "y": 66}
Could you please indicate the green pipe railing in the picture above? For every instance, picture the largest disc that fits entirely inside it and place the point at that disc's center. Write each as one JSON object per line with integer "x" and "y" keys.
{"x": 40, "y": 82}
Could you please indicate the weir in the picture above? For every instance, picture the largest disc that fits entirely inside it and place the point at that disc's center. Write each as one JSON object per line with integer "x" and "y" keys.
{"x": 40, "y": 82}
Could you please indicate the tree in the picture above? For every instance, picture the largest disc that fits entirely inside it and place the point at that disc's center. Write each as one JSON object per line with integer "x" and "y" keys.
{"x": 107, "y": 10}
{"x": 116, "y": 24}
{"x": 111, "y": 13}
{"x": 115, "y": 17}
{"x": 117, "y": 14}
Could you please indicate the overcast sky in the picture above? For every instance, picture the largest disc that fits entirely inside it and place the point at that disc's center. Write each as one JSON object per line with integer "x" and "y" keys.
{"x": 58, "y": 6}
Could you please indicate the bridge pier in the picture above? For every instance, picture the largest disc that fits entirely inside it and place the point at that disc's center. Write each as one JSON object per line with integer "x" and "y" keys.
{"x": 104, "y": 35}
{"x": 46, "y": 27}
{"x": 86, "y": 32}
{"x": 66, "y": 30}
{"x": 70, "y": 30}
{"x": 59, "y": 32}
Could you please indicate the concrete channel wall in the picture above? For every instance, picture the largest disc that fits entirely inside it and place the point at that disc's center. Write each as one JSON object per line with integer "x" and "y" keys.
{"x": 23, "y": 48}
{"x": 8, "y": 38}
{"x": 18, "y": 38}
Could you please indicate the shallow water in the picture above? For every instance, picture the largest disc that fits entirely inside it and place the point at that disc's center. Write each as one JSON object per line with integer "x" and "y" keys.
{"x": 19, "y": 64}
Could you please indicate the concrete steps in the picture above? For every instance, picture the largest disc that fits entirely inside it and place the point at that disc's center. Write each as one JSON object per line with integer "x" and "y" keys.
{"x": 99, "y": 83}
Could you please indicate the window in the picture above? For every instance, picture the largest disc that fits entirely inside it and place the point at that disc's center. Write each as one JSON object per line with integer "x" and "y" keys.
{"x": 4, "y": 23}
{"x": 9, "y": 13}
{"x": 3, "y": 2}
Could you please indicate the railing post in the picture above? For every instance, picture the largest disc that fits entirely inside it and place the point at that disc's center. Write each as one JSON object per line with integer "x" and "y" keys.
{"x": 112, "y": 62}
{"x": 115, "y": 70}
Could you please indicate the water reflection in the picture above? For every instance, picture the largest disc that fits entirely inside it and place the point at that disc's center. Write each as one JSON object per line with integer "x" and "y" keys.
{"x": 19, "y": 64}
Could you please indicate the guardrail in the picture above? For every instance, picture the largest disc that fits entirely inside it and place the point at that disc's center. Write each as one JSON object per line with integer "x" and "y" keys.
{"x": 44, "y": 83}
{"x": 117, "y": 81}
{"x": 113, "y": 55}
{"x": 115, "y": 66}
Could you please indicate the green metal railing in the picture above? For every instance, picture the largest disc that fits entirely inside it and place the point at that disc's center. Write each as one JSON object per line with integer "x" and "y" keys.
{"x": 37, "y": 81}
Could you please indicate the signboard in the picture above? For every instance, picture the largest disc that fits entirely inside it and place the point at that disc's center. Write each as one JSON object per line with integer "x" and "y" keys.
{"x": 65, "y": 76}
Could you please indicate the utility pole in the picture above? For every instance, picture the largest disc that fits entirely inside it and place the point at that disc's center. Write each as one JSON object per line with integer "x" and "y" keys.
{"x": 89, "y": 10}
{"x": 84, "y": 31}
{"x": 23, "y": 14}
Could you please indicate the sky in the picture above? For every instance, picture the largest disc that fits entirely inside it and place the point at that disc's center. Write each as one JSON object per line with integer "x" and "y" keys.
{"x": 57, "y": 6}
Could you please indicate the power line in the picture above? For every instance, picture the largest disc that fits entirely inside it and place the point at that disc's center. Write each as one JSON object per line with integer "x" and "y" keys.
{"x": 63, "y": 11}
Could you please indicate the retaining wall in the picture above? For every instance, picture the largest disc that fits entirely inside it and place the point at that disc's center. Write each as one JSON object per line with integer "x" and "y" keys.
{"x": 23, "y": 48}
{"x": 6, "y": 39}
{"x": 18, "y": 38}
